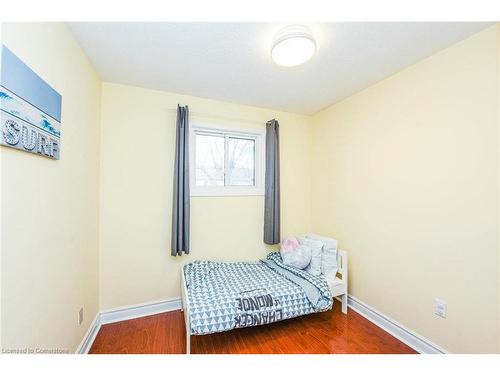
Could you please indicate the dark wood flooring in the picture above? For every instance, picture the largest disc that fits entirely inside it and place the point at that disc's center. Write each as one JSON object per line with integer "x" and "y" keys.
{"x": 328, "y": 332}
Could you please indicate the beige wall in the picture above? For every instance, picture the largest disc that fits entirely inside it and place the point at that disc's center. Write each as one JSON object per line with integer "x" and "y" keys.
{"x": 137, "y": 149}
{"x": 498, "y": 233}
{"x": 1, "y": 41}
{"x": 407, "y": 178}
{"x": 49, "y": 243}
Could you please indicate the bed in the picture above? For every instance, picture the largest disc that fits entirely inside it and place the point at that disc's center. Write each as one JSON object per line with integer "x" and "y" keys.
{"x": 221, "y": 296}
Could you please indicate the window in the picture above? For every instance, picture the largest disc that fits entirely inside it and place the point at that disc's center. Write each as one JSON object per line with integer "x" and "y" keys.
{"x": 226, "y": 162}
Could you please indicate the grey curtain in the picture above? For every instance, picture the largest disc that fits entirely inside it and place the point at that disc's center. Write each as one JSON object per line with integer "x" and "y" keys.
{"x": 180, "y": 206}
{"x": 272, "y": 198}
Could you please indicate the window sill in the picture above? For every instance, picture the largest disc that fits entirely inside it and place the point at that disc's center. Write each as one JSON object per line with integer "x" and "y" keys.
{"x": 230, "y": 192}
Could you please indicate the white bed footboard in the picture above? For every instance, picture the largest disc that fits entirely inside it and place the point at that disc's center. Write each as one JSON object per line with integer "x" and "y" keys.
{"x": 185, "y": 308}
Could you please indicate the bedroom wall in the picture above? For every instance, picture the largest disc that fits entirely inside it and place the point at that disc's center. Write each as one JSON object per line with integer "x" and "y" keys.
{"x": 1, "y": 346}
{"x": 49, "y": 222}
{"x": 498, "y": 254}
{"x": 406, "y": 176}
{"x": 136, "y": 193}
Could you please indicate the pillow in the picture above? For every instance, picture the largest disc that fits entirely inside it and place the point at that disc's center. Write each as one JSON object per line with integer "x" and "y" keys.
{"x": 299, "y": 257}
{"x": 289, "y": 243}
{"x": 329, "y": 265}
{"x": 314, "y": 267}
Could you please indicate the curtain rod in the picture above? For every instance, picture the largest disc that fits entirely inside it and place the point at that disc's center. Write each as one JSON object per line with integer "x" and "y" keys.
{"x": 227, "y": 118}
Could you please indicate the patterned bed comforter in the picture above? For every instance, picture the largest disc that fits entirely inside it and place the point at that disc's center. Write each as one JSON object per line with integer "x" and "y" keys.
{"x": 224, "y": 296}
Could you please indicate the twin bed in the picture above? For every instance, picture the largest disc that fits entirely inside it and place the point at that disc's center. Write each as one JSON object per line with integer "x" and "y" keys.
{"x": 219, "y": 297}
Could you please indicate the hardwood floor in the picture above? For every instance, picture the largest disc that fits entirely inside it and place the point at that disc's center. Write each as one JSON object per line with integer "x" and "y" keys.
{"x": 328, "y": 332}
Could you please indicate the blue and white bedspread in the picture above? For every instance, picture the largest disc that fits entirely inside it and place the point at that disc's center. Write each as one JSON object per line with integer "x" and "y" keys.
{"x": 224, "y": 296}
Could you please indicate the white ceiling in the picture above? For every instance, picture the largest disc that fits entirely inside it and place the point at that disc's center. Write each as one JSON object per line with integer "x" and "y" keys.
{"x": 231, "y": 61}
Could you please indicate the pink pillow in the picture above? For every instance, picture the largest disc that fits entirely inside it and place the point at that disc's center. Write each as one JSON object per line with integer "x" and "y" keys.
{"x": 289, "y": 243}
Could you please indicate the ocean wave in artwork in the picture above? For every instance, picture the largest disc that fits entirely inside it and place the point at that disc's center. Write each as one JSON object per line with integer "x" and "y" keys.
{"x": 18, "y": 107}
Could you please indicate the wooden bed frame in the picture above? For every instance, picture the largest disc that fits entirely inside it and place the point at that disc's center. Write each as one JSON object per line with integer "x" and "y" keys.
{"x": 338, "y": 289}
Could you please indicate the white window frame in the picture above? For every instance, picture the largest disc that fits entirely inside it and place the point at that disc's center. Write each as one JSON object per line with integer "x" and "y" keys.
{"x": 217, "y": 191}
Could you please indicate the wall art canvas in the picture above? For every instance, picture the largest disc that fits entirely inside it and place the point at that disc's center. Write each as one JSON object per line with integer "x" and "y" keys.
{"x": 30, "y": 109}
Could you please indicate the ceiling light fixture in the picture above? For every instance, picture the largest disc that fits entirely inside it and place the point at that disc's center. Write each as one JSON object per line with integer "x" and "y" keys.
{"x": 293, "y": 45}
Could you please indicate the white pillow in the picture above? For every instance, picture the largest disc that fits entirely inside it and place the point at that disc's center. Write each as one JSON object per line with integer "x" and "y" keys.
{"x": 314, "y": 267}
{"x": 299, "y": 257}
{"x": 329, "y": 265}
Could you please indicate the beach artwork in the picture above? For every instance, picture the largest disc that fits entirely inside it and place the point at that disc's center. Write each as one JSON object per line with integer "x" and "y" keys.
{"x": 30, "y": 109}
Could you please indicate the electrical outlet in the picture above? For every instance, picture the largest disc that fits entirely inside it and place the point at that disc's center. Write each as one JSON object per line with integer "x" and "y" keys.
{"x": 440, "y": 307}
{"x": 80, "y": 316}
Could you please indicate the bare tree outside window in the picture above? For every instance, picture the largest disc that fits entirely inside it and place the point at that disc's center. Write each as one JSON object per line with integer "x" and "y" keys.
{"x": 209, "y": 160}
{"x": 223, "y": 160}
{"x": 241, "y": 162}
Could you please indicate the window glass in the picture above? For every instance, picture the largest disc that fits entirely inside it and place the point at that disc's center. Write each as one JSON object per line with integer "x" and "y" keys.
{"x": 240, "y": 162}
{"x": 209, "y": 160}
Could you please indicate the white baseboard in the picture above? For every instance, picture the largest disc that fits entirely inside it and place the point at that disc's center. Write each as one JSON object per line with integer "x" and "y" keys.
{"x": 89, "y": 337}
{"x": 125, "y": 313}
{"x": 138, "y": 311}
{"x": 410, "y": 338}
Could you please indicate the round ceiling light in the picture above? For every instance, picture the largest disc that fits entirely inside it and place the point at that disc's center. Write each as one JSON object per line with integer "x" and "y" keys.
{"x": 293, "y": 45}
